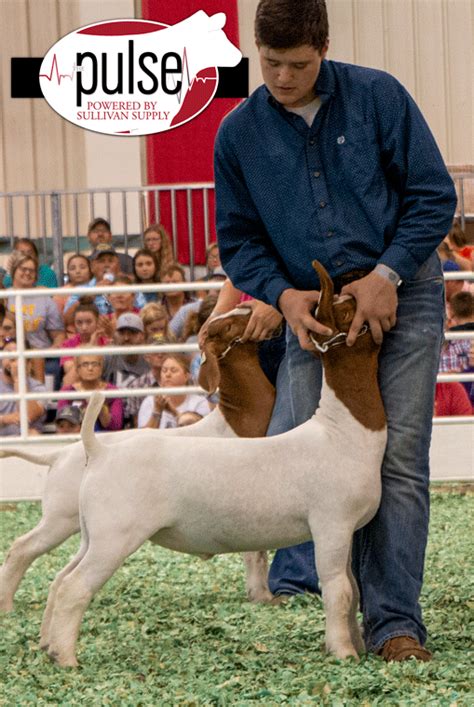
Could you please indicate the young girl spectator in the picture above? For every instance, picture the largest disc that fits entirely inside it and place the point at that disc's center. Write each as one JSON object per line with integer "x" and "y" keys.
{"x": 7, "y": 327}
{"x": 158, "y": 241}
{"x": 87, "y": 332}
{"x": 213, "y": 261}
{"x": 46, "y": 277}
{"x": 147, "y": 271}
{"x": 89, "y": 369}
{"x": 79, "y": 274}
{"x": 155, "y": 320}
{"x": 161, "y": 411}
{"x": 174, "y": 300}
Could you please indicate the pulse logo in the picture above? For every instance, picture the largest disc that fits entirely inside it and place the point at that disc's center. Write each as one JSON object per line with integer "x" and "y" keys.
{"x": 136, "y": 77}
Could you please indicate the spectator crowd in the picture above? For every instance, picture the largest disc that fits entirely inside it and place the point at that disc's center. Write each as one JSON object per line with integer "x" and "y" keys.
{"x": 128, "y": 319}
{"x": 118, "y": 319}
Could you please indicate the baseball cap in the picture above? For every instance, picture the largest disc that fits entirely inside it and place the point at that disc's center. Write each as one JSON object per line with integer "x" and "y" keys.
{"x": 129, "y": 320}
{"x": 450, "y": 266}
{"x": 103, "y": 249}
{"x": 98, "y": 222}
{"x": 70, "y": 413}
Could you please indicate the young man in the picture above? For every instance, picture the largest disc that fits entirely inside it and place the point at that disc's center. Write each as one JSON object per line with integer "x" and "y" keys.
{"x": 335, "y": 162}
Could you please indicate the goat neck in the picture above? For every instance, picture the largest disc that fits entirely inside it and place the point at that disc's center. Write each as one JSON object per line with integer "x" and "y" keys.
{"x": 246, "y": 396}
{"x": 351, "y": 374}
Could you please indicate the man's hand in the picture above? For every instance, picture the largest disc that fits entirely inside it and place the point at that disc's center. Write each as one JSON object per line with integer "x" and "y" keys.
{"x": 297, "y": 306}
{"x": 263, "y": 320}
{"x": 377, "y": 302}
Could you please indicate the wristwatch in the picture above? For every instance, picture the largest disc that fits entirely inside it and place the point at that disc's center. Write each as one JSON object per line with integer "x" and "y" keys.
{"x": 388, "y": 274}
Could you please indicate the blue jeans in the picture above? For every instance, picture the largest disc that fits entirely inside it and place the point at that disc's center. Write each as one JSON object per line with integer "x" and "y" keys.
{"x": 388, "y": 553}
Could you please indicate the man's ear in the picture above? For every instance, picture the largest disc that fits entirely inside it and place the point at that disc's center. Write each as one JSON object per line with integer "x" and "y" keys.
{"x": 325, "y": 49}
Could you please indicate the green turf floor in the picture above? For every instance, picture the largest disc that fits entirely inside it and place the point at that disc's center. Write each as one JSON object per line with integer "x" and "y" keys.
{"x": 172, "y": 630}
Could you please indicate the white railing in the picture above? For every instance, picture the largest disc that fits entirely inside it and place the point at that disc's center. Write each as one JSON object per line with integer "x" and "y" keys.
{"x": 23, "y": 354}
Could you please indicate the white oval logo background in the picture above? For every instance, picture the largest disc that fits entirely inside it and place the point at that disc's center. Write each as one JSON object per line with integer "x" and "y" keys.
{"x": 137, "y": 77}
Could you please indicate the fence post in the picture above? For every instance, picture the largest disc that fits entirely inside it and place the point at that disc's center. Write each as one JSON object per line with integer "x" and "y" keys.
{"x": 57, "y": 228}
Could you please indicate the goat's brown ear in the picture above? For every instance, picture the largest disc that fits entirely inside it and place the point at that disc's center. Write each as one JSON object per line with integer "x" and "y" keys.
{"x": 209, "y": 374}
{"x": 326, "y": 300}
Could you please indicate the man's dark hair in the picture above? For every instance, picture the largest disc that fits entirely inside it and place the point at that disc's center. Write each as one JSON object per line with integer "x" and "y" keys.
{"x": 284, "y": 24}
{"x": 462, "y": 305}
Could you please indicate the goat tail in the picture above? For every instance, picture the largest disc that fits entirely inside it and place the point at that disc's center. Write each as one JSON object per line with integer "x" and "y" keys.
{"x": 43, "y": 458}
{"x": 91, "y": 444}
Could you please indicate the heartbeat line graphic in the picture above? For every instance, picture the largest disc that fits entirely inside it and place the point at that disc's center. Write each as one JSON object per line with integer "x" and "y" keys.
{"x": 59, "y": 77}
{"x": 188, "y": 84}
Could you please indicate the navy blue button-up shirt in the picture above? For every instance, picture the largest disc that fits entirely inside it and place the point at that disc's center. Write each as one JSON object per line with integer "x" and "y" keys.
{"x": 366, "y": 184}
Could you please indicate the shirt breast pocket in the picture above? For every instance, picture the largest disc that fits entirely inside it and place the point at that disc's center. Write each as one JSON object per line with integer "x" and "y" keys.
{"x": 359, "y": 157}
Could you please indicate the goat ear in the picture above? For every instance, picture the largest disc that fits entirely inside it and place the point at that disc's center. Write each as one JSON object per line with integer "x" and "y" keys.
{"x": 209, "y": 374}
{"x": 326, "y": 300}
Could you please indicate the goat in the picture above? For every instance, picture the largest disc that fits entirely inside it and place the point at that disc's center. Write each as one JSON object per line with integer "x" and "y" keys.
{"x": 321, "y": 480}
{"x": 245, "y": 406}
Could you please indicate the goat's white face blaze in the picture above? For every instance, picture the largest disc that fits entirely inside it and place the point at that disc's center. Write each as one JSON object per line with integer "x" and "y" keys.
{"x": 320, "y": 481}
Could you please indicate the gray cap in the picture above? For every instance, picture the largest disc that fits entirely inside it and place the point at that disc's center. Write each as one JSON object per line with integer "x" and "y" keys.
{"x": 129, "y": 320}
{"x": 71, "y": 413}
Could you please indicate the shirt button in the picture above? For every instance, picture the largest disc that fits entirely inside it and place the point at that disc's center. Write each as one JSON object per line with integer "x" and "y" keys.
{"x": 322, "y": 204}
{"x": 339, "y": 262}
{"x": 312, "y": 142}
{"x": 316, "y": 174}
{"x": 330, "y": 233}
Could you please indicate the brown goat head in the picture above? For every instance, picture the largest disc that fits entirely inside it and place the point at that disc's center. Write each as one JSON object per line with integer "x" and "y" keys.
{"x": 221, "y": 333}
{"x": 336, "y": 313}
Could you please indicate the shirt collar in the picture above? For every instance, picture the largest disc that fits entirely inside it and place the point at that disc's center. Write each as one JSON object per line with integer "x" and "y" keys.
{"x": 325, "y": 85}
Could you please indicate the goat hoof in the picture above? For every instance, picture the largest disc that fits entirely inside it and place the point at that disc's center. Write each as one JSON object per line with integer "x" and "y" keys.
{"x": 263, "y": 597}
{"x": 62, "y": 662}
{"x": 344, "y": 652}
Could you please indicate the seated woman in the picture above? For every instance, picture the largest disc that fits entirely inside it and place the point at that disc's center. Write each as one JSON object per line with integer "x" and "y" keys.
{"x": 161, "y": 411}
{"x": 147, "y": 271}
{"x": 87, "y": 329}
{"x": 79, "y": 274}
{"x": 155, "y": 320}
{"x": 89, "y": 369}
{"x": 10, "y": 409}
{"x": 44, "y": 327}
{"x": 157, "y": 240}
{"x": 46, "y": 277}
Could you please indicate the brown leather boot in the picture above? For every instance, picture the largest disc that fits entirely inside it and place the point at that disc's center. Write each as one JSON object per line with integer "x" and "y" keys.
{"x": 402, "y": 648}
